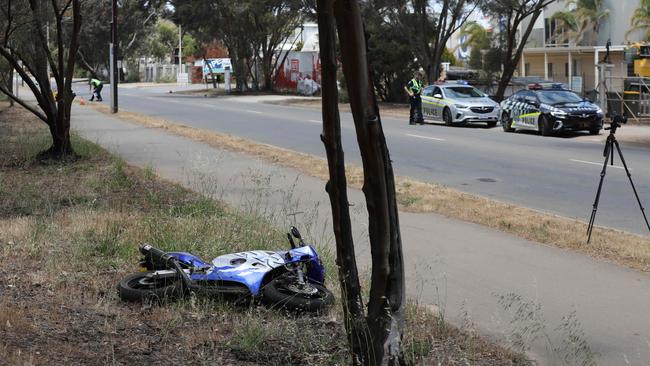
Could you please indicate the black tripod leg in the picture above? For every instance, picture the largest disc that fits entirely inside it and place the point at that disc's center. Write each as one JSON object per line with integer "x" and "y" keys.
{"x": 608, "y": 152}
{"x": 629, "y": 176}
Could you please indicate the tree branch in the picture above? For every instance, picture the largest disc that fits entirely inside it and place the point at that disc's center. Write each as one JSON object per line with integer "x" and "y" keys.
{"x": 4, "y": 52}
{"x": 43, "y": 40}
{"x": 36, "y": 112}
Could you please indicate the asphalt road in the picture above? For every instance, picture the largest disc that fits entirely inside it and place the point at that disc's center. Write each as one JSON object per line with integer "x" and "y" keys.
{"x": 553, "y": 174}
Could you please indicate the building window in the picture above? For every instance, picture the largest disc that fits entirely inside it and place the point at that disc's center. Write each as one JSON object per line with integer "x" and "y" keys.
{"x": 566, "y": 69}
{"x": 550, "y": 70}
{"x": 549, "y": 30}
{"x": 527, "y": 68}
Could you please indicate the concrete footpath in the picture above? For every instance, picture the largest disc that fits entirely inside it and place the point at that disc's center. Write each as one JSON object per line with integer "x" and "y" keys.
{"x": 469, "y": 271}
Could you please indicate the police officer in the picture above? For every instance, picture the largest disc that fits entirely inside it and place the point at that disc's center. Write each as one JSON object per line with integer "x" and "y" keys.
{"x": 97, "y": 86}
{"x": 413, "y": 89}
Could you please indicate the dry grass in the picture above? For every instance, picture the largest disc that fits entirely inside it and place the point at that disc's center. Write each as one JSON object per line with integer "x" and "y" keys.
{"x": 70, "y": 232}
{"x": 414, "y": 196}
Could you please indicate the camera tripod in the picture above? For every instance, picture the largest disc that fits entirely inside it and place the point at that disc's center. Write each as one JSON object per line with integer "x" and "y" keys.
{"x": 608, "y": 153}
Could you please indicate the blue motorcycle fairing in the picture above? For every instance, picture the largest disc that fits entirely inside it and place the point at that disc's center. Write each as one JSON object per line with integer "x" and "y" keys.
{"x": 189, "y": 259}
{"x": 250, "y": 268}
{"x": 315, "y": 270}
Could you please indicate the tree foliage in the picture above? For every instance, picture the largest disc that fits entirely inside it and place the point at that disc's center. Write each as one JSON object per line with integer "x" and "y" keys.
{"x": 485, "y": 53}
{"x": 585, "y": 19}
{"x": 24, "y": 41}
{"x": 390, "y": 56}
{"x": 640, "y": 20}
{"x": 428, "y": 26}
{"x": 253, "y": 31}
{"x": 516, "y": 20}
{"x": 136, "y": 19}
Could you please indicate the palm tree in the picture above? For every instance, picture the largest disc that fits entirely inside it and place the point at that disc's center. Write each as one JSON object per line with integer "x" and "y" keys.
{"x": 477, "y": 36}
{"x": 566, "y": 27}
{"x": 478, "y": 40}
{"x": 588, "y": 15}
{"x": 640, "y": 20}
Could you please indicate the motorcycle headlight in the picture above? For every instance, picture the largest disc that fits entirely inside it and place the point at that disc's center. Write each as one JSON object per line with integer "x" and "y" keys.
{"x": 558, "y": 114}
{"x": 461, "y": 106}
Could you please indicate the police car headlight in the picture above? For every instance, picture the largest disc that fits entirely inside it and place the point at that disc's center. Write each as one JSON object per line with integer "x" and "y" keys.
{"x": 599, "y": 112}
{"x": 558, "y": 114}
{"x": 461, "y": 106}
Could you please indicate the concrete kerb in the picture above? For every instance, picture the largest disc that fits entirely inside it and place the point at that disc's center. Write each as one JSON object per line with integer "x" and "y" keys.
{"x": 450, "y": 264}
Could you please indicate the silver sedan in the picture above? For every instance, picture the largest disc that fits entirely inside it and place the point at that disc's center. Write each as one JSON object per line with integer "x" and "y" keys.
{"x": 458, "y": 104}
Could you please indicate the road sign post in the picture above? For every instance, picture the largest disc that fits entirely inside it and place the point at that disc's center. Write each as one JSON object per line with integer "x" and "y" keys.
{"x": 114, "y": 71}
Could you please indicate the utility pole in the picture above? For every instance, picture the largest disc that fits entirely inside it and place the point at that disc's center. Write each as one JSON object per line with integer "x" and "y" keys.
{"x": 114, "y": 51}
{"x": 180, "y": 54}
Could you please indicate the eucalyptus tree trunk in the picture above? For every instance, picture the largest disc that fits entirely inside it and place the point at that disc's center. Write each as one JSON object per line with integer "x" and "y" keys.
{"x": 378, "y": 339}
{"x": 353, "y": 309}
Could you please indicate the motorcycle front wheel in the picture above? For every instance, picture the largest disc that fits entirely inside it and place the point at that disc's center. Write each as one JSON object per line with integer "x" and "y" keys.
{"x": 140, "y": 287}
{"x": 285, "y": 292}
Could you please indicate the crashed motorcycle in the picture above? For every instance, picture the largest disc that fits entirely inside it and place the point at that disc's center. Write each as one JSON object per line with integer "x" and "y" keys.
{"x": 292, "y": 279}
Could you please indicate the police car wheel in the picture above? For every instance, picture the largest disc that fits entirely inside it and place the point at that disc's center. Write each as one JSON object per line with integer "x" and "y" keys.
{"x": 446, "y": 116}
{"x": 594, "y": 132}
{"x": 506, "y": 123}
{"x": 545, "y": 127}
{"x": 491, "y": 124}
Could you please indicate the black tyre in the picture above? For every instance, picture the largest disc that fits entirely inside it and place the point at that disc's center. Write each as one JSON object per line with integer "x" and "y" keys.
{"x": 446, "y": 116}
{"x": 285, "y": 292}
{"x": 138, "y": 287}
{"x": 506, "y": 123}
{"x": 545, "y": 127}
{"x": 594, "y": 132}
{"x": 491, "y": 124}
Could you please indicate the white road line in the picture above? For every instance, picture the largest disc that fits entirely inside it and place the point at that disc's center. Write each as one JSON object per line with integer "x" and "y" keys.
{"x": 592, "y": 163}
{"x": 256, "y": 112}
{"x": 314, "y": 121}
{"x": 425, "y": 137}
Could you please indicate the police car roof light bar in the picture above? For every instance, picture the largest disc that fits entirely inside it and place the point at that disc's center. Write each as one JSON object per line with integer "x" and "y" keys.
{"x": 452, "y": 82}
{"x": 546, "y": 86}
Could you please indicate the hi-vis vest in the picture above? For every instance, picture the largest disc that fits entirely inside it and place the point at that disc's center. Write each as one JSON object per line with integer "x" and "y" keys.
{"x": 415, "y": 85}
{"x": 95, "y": 82}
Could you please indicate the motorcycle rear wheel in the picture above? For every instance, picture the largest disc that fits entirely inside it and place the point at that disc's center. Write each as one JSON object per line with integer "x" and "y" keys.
{"x": 284, "y": 292}
{"x": 138, "y": 287}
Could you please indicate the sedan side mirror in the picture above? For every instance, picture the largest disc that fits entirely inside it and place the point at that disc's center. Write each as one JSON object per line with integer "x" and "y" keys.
{"x": 437, "y": 96}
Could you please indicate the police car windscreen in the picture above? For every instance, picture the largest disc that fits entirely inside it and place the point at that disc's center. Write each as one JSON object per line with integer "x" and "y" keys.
{"x": 463, "y": 92}
{"x": 558, "y": 97}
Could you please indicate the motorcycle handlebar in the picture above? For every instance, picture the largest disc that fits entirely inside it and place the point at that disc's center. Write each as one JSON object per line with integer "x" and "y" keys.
{"x": 160, "y": 256}
{"x": 156, "y": 254}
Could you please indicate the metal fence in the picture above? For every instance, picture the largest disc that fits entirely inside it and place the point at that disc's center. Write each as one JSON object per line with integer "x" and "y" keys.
{"x": 617, "y": 95}
{"x": 630, "y": 96}
{"x": 155, "y": 73}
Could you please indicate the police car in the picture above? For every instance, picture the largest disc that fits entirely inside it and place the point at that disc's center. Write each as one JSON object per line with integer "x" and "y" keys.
{"x": 549, "y": 109}
{"x": 455, "y": 102}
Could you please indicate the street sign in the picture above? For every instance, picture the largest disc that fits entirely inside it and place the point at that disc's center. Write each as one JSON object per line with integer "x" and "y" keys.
{"x": 183, "y": 78}
{"x": 218, "y": 65}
